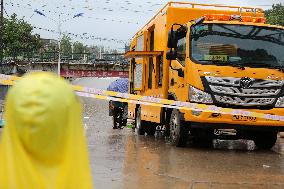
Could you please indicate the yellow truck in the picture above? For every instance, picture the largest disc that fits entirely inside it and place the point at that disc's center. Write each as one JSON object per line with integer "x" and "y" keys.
{"x": 209, "y": 54}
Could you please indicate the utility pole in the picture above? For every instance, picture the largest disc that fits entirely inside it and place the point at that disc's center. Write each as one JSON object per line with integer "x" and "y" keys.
{"x": 85, "y": 57}
{"x": 72, "y": 48}
{"x": 59, "y": 47}
{"x": 1, "y": 31}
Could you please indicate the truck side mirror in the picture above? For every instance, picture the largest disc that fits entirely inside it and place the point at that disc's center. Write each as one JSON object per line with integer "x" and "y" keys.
{"x": 171, "y": 55}
{"x": 172, "y": 39}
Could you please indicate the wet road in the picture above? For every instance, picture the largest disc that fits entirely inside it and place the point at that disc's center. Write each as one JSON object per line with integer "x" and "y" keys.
{"x": 122, "y": 160}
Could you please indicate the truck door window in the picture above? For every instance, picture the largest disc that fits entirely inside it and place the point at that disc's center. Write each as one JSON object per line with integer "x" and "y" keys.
{"x": 138, "y": 76}
{"x": 140, "y": 43}
{"x": 181, "y": 51}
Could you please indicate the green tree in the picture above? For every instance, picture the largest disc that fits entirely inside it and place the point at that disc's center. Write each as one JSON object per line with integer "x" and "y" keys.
{"x": 66, "y": 47}
{"x": 18, "y": 38}
{"x": 275, "y": 15}
{"x": 79, "y": 48}
{"x": 53, "y": 46}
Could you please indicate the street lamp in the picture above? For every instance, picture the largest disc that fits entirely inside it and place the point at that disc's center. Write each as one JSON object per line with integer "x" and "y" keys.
{"x": 59, "y": 32}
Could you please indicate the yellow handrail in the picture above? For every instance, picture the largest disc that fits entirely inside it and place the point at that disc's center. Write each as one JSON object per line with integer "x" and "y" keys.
{"x": 215, "y": 5}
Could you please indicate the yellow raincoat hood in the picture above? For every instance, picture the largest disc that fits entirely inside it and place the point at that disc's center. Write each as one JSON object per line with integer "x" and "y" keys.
{"x": 43, "y": 144}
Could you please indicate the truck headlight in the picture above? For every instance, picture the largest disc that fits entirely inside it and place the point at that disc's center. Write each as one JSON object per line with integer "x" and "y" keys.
{"x": 280, "y": 102}
{"x": 196, "y": 95}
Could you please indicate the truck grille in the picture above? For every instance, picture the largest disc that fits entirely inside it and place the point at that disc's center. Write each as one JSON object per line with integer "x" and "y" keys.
{"x": 243, "y": 92}
{"x": 244, "y": 101}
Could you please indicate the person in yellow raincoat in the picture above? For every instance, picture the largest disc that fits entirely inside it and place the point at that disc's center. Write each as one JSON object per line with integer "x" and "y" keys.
{"x": 43, "y": 144}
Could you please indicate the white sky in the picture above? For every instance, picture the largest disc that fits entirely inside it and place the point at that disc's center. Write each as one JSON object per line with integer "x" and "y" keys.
{"x": 111, "y": 19}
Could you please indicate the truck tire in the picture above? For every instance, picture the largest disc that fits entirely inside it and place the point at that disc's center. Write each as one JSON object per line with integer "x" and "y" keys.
{"x": 178, "y": 130}
{"x": 265, "y": 140}
{"x": 140, "y": 124}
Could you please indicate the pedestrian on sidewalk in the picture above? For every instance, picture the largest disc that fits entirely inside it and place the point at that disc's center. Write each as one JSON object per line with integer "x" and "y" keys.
{"x": 43, "y": 144}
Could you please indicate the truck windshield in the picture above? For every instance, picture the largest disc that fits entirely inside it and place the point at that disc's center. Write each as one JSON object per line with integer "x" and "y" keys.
{"x": 237, "y": 45}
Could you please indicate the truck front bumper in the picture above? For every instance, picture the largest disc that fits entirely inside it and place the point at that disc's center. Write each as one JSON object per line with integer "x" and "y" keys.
{"x": 231, "y": 121}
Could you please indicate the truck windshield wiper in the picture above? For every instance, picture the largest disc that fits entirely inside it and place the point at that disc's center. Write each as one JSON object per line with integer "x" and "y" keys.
{"x": 279, "y": 67}
{"x": 222, "y": 63}
{"x": 265, "y": 65}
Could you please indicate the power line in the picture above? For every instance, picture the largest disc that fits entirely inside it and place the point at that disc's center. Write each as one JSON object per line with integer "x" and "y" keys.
{"x": 67, "y": 14}
{"x": 85, "y": 36}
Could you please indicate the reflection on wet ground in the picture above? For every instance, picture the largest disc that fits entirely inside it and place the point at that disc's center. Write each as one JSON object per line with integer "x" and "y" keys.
{"x": 121, "y": 159}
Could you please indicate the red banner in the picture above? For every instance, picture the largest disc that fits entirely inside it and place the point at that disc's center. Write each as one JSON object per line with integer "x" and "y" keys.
{"x": 86, "y": 73}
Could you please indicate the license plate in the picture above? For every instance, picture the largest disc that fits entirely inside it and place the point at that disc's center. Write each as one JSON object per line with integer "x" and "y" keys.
{"x": 244, "y": 118}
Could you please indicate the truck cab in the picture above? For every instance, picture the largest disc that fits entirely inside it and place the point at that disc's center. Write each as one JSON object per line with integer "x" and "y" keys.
{"x": 229, "y": 59}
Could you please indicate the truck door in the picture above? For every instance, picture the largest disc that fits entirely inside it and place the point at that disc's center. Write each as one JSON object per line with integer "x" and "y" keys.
{"x": 151, "y": 114}
{"x": 137, "y": 75}
{"x": 177, "y": 81}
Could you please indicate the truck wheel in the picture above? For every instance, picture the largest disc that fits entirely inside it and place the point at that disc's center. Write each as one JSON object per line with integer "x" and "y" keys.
{"x": 178, "y": 130}
{"x": 139, "y": 124}
{"x": 265, "y": 140}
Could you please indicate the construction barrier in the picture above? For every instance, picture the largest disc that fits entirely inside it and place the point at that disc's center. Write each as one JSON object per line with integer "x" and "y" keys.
{"x": 151, "y": 101}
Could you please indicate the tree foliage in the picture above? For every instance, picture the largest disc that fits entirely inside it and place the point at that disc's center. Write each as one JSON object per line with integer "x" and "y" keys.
{"x": 18, "y": 37}
{"x": 66, "y": 46}
{"x": 275, "y": 15}
{"x": 79, "y": 47}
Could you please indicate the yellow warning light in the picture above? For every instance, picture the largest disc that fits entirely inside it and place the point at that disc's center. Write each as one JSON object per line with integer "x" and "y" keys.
{"x": 247, "y": 19}
{"x": 259, "y": 19}
{"x": 220, "y": 17}
{"x": 226, "y": 17}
